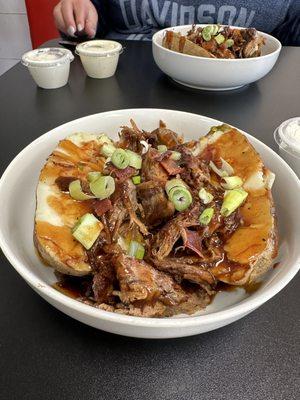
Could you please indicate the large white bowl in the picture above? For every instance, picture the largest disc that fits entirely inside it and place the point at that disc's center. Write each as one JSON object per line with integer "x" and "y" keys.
{"x": 213, "y": 73}
{"x": 17, "y": 194}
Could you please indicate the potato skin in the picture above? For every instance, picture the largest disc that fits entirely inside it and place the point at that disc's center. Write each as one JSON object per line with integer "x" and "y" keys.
{"x": 51, "y": 259}
{"x": 172, "y": 41}
{"x": 265, "y": 261}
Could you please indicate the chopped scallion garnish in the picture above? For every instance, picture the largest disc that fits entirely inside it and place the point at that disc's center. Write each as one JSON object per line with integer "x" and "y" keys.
{"x": 76, "y": 191}
{"x": 162, "y": 148}
{"x": 87, "y": 230}
{"x": 205, "y": 196}
{"x": 120, "y": 159}
{"x": 176, "y": 156}
{"x": 220, "y": 38}
{"x": 229, "y": 42}
{"x": 135, "y": 160}
{"x": 136, "y": 250}
{"x": 93, "y": 176}
{"x": 232, "y": 200}
{"x": 107, "y": 149}
{"x": 217, "y": 170}
{"x": 103, "y": 187}
{"x": 103, "y": 138}
{"x": 136, "y": 179}
{"x": 232, "y": 182}
{"x": 174, "y": 183}
{"x": 206, "y": 216}
{"x": 180, "y": 197}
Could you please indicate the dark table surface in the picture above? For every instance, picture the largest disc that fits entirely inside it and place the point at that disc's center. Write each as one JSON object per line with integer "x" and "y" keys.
{"x": 47, "y": 355}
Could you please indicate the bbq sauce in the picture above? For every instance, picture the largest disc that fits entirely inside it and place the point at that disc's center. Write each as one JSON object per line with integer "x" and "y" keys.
{"x": 225, "y": 287}
{"x": 249, "y": 288}
{"x": 181, "y": 44}
{"x": 74, "y": 287}
{"x": 252, "y": 287}
{"x": 169, "y": 37}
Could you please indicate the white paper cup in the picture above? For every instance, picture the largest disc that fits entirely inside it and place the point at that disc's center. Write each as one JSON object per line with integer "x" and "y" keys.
{"x": 49, "y": 67}
{"x": 288, "y": 149}
{"x": 99, "y": 57}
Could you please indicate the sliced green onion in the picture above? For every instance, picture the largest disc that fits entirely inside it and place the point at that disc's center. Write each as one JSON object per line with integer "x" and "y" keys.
{"x": 206, "y": 36}
{"x": 205, "y": 196}
{"x": 136, "y": 179}
{"x": 217, "y": 170}
{"x": 207, "y": 31}
{"x": 104, "y": 139}
{"x": 136, "y": 250}
{"x": 176, "y": 156}
{"x": 87, "y": 230}
{"x": 220, "y": 38}
{"x": 180, "y": 197}
{"x": 232, "y": 200}
{"x": 76, "y": 191}
{"x": 120, "y": 159}
{"x": 174, "y": 183}
{"x": 103, "y": 187}
{"x": 162, "y": 148}
{"x": 206, "y": 216}
{"x": 107, "y": 149}
{"x": 215, "y": 29}
{"x": 227, "y": 167}
{"x": 199, "y": 146}
{"x": 93, "y": 176}
{"x": 232, "y": 182}
{"x": 229, "y": 42}
{"x": 135, "y": 160}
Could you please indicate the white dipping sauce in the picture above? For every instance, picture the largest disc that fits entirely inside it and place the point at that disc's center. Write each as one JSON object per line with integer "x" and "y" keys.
{"x": 287, "y": 136}
{"x": 99, "y": 57}
{"x": 49, "y": 67}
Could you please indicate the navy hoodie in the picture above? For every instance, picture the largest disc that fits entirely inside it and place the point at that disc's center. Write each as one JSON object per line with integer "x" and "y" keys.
{"x": 139, "y": 19}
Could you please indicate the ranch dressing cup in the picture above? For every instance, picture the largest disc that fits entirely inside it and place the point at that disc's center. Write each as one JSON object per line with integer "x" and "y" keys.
{"x": 287, "y": 136}
{"x": 49, "y": 67}
{"x": 99, "y": 57}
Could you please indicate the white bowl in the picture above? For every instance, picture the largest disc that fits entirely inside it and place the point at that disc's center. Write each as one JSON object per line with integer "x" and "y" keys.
{"x": 17, "y": 193}
{"x": 213, "y": 73}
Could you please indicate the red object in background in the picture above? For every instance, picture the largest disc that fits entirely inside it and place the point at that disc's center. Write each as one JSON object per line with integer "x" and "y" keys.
{"x": 41, "y": 22}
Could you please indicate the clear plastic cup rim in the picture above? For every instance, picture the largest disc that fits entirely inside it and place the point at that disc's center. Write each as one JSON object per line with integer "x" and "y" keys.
{"x": 285, "y": 142}
{"x": 96, "y": 48}
{"x": 40, "y": 57}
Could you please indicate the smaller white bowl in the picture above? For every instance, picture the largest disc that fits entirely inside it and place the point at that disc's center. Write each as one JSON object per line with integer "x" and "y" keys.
{"x": 49, "y": 67}
{"x": 213, "y": 73}
{"x": 99, "y": 57}
{"x": 289, "y": 150}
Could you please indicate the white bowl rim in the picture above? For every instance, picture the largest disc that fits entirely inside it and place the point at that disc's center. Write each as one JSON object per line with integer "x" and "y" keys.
{"x": 231, "y": 312}
{"x": 218, "y": 60}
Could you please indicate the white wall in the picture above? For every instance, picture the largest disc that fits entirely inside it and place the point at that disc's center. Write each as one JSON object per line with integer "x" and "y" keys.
{"x": 14, "y": 33}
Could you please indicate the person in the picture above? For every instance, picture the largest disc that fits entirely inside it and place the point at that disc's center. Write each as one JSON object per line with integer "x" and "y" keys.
{"x": 139, "y": 19}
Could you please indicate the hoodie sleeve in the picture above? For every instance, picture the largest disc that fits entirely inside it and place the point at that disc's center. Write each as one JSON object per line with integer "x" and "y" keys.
{"x": 101, "y": 7}
{"x": 289, "y": 31}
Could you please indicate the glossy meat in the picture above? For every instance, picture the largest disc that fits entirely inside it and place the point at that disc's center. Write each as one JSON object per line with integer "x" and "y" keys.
{"x": 156, "y": 206}
{"x": 149, "y": 292}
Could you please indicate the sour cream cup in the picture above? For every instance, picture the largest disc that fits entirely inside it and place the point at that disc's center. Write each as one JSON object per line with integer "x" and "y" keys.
{"x": 99, "y": 57}
{"x": 287, "y": 136}
{"x": 49, "y": 67}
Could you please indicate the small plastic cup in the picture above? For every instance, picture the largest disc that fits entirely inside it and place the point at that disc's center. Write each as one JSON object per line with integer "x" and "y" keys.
{"x": 99, "y": 57}
{"x": 49, "y": 67}
{"x": 289, "y": 148}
